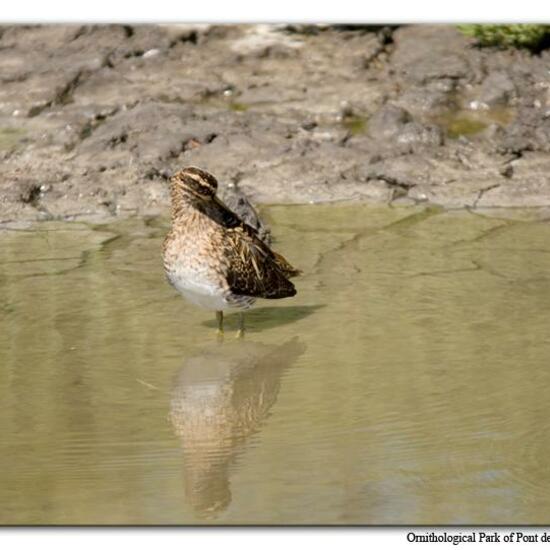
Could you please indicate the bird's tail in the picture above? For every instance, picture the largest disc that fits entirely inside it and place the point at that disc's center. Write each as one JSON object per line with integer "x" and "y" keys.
{"x": 287, "y": 269}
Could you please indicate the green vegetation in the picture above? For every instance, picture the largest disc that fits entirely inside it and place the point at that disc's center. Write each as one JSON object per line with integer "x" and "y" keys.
{"x": 464, "y": 122}
{"x": 463, "y": 126}
{"x": 239, "y": 107}
{"x": 355, "y": 124}
{"x": 10, "y": 137}
{"x": 517, "y": 36}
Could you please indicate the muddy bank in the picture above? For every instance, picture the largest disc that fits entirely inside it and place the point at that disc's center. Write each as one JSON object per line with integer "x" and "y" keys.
{"x": 93, "y": 119}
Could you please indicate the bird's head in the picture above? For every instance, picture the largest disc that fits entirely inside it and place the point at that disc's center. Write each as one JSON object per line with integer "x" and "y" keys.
{"x": 195, "y": 181}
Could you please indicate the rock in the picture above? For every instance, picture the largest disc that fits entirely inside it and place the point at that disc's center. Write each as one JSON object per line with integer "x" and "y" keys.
{"x": 394, "y": 123}
{"x": 430, "y": 99}
{"x": 151, "y": 53}
{"x": 187, "y": 32}
{"x": 530, "y": 131}
{"x": 405, "y": 171}
{"x": 525, "y": 193}
{"x": 388, "y": 121}
{"x": 265, "y": 40}
{"x": 427, "y": 52}
{"x": 414, "y": 133}
{"x": 379, "y": 191}
{"x": 238, "y": 202}
{"x": 150, "y": 133}
{"x": 497, "y": 89}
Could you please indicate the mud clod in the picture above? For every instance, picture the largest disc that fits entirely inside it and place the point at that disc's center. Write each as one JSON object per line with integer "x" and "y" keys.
{"x": 293, "y": 113}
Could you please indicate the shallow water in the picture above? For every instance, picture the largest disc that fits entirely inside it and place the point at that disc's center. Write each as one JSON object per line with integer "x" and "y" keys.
{"x": 469, "y": 122}
{"x": 406, "y": 383}
{"x": 10, "y": 137}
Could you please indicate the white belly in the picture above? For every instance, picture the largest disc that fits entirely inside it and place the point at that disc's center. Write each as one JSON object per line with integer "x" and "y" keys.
{"x": 211, "y": 301}
{"x": 202, "y": 286}
{"x": 202, "y": 293}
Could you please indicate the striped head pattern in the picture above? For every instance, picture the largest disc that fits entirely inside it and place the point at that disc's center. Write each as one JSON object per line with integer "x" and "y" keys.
{"x": 195, "y": 181}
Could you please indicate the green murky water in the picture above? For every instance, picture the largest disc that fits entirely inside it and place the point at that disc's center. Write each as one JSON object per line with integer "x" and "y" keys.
{"x": 406, "y": 383}
{"x": 355, "y": 124}
{"x": 10, "y": 137}
{"x": 468, "y": 122}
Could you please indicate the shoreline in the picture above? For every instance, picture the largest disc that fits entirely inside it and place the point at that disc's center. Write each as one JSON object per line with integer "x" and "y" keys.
{"x": 94, "y": 119}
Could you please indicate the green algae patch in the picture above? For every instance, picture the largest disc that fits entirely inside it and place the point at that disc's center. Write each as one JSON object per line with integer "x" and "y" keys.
{"x": 468, "y": 122}
{"x": 10, "y": 137}
{"x": 355, "y": 124}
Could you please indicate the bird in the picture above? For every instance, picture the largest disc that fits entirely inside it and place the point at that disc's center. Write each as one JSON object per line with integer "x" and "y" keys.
{"x": 213, "y": 258}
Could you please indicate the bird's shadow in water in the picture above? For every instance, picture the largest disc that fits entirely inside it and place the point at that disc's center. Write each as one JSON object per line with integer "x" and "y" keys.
{"x": 262, "y": 318}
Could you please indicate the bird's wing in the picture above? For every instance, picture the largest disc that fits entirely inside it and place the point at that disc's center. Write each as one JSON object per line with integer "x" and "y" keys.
{"x": 230, "y": 220}
{"x": 253, "y": 269}
{"x": 217, "y": 211}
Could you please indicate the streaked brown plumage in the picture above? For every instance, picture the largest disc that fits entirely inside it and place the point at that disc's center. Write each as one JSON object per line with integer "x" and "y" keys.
{"x": 212, "y": 257}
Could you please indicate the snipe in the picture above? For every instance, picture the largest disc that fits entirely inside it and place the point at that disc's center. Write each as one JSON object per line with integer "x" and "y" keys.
{"x": 213, "y": 258}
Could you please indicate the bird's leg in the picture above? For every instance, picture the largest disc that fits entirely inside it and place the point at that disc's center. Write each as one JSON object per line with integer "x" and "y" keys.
{"x": 219, "y": 318}
{"x": 240, "y": 332}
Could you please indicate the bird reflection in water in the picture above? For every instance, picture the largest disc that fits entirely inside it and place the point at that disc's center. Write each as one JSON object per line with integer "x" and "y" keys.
{"x": 220, "y": 399}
